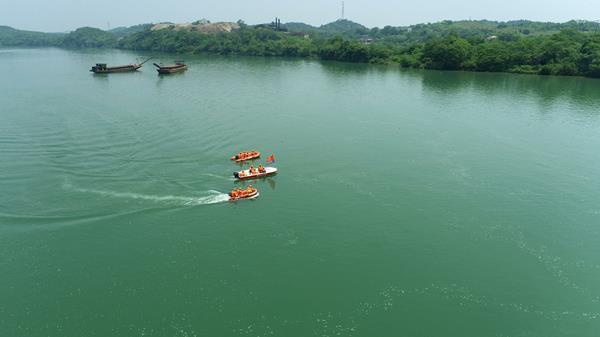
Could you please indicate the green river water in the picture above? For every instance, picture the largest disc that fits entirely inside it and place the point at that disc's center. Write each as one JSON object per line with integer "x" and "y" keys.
{"x": 408, "y": 203}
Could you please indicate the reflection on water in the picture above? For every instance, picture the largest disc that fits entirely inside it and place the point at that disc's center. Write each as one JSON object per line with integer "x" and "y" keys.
{"x": 257, "y": 182}
{"x": 545, "y": 90}
{"x": 272, "y": 183}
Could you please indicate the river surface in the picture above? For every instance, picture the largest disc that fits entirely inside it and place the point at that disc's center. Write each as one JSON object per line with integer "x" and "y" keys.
{"x": 408, "y": 203}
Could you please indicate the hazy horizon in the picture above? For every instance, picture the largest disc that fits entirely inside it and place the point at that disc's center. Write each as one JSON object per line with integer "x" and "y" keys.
{"x": 66, "y": 15}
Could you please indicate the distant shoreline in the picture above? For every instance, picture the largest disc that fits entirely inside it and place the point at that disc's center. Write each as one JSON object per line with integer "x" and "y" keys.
{"x": 524, "y": 47}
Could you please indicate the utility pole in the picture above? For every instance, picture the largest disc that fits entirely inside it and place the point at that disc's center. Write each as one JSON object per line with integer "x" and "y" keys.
{"x": 342, "y": 10}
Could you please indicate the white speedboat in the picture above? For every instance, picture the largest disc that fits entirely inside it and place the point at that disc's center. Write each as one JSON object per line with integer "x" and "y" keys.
{"x": 255, "y": 174}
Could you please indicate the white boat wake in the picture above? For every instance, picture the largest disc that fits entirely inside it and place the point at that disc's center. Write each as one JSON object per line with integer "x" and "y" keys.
{"x": 211, "y": 197}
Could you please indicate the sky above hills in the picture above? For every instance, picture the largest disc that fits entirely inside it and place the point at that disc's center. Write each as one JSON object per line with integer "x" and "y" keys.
{"x": 66, "y": 15}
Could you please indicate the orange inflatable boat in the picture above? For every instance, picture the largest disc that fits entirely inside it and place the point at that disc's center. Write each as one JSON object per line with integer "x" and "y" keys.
{"x": 246, "y": 193}
{"x": 246, "y": 155}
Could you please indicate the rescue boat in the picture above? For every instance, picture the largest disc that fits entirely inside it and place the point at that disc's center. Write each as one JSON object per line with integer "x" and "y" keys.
{"x": 247, "y": 193}
{"x": 247, "y": 174}
{"x": 246, "y": 155}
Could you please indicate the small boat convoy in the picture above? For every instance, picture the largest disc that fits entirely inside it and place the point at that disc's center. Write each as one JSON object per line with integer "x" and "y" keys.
{"x": 170, "y": 69}
{"x": 255, "y": 173}
{"x": 245, "y": 155}
{"x": 246, "y": 193}
{"x": 250, "y": 192}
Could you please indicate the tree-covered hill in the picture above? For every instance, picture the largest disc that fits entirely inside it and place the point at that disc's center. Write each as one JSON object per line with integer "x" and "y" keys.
{"x": 344, "y": 28}
{"x": 88, "y": 37}
{"x": 14, "y": 37}
{"x": 124, "y": 31}
{"x": 299, "y": 27}
{"x": 84, "y": 37}
{"x": 469, "y": 29}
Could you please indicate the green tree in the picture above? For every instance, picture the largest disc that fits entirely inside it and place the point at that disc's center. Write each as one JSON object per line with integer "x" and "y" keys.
{"x": 492, "y": 56}
{"x": 590, "y": 57}
{"x": 450, "y": 53}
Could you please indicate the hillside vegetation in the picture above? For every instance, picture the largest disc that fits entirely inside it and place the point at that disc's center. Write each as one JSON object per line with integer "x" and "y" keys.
{"x": 124, "y": 31}
{"x": 87, "y": 37}
{"x": 23, "y": 38}
{"x": 571, "y": 48}
{"x": 523, "y": 47}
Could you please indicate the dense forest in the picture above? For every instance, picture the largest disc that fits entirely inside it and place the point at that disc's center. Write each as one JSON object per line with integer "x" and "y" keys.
{"x": 571, "y": 48}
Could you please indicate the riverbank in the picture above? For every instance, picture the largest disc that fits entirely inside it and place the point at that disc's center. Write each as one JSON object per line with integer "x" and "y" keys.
{"x": 567, "y": 53}
{"x": 570, "y": 49}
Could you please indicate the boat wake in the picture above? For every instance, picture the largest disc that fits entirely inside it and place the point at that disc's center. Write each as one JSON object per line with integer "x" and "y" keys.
{"x": 210, "y": 197}
{"x": 228, "y": 177}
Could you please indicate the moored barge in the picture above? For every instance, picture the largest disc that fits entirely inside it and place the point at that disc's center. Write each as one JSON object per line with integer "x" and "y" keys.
{"x": 103, "y": 68}
{"x": 169, "y": 69}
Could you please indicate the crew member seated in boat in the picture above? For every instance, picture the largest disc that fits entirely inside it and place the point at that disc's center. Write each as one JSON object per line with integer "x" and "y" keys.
{"x": 261, "y": 169}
